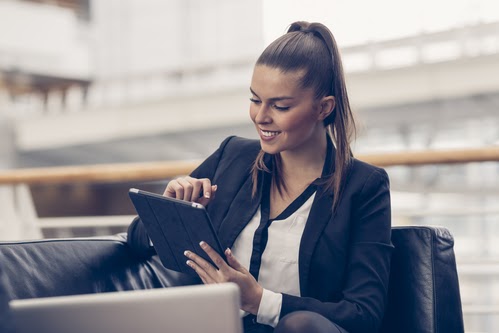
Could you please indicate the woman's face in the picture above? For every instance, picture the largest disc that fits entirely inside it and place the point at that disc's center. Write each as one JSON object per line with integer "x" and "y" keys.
{"x": 287, "y": 117}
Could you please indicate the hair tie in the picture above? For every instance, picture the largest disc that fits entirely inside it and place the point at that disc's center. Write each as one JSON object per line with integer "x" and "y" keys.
{"x": 299, "y": 26}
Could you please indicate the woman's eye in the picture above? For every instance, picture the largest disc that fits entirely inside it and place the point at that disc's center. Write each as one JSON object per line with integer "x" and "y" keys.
{"x": 281, "y": 108}
{"x": 254, "y": 100}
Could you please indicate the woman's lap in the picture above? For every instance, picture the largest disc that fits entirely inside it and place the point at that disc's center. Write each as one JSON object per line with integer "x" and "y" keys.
{"x": 307, "y": 321}
{"x": 299, "y": 322}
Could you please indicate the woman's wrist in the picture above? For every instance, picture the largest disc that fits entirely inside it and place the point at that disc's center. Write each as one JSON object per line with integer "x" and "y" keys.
{"x": 255, "y": 304}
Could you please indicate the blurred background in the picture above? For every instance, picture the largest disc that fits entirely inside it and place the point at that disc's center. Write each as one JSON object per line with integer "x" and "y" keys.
{"x": 85, "y": 82}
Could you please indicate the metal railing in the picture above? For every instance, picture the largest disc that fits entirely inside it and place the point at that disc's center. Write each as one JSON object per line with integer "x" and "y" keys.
{"x": 165, "y": 170}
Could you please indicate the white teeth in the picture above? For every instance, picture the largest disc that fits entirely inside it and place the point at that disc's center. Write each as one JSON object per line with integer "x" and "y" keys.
{"x": 269, "y": 134}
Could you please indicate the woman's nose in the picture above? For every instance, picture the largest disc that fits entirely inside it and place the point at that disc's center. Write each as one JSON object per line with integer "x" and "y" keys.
{"x": 263, "y": 115}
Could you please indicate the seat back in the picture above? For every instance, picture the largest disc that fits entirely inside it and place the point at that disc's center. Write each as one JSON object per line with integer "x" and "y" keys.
{"x": 71, "y": 266}
{"x": 423, "y": 293}
{"x": 5, "y": 315}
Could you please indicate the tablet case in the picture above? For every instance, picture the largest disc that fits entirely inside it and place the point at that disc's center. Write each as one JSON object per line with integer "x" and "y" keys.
{"x": 175, "y": 226}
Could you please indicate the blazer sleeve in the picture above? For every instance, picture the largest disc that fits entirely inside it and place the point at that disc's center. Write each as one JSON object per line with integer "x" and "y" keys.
{"x": 365, "y": 289}
{"x": 137, "y": 238}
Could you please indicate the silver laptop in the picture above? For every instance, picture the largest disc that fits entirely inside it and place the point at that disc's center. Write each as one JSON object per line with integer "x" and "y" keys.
{"x": 207, "y": 309}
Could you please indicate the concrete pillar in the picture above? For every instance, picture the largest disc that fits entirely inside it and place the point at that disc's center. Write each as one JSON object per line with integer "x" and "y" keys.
{"x": 7, "y": 140}
{"x": 55, "y": 102}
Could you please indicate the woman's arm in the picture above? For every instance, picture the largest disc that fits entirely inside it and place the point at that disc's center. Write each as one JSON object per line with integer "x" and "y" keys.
{"x": 137, "y": 239}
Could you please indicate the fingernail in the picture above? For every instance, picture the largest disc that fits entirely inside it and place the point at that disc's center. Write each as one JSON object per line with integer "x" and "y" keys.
{"x": 207, "y": 195}
{"x": 228, "y": 252}
{"x": 189, "y": 263}
{"x": 186, "y": 253}
{"x": 214, "y": 187}
{"x": 202, "y": 244}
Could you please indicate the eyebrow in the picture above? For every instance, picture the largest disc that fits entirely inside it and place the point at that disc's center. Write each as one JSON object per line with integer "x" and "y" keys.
{"x": 273, "y": 99}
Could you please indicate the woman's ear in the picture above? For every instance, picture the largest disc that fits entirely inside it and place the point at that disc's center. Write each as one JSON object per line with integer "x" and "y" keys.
{"x": 327, "y": 106}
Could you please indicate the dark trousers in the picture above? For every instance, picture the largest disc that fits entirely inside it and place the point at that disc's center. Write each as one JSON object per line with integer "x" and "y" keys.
{"x": 251, "y": 326}
{"x": 295, "y": 322}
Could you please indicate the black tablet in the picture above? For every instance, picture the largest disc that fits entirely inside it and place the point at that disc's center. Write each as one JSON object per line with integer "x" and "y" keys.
{"x": 175, "y": 226}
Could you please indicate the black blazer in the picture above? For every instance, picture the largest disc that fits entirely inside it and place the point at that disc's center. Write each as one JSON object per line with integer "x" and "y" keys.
{"x": 344, "y": 258}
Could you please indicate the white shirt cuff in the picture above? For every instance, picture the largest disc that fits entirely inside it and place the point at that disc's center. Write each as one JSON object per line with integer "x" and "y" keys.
{"x": 270, "y": 308}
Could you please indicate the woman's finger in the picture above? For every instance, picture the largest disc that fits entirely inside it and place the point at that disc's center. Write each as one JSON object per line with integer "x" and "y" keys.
{"x": 174, "y": 190}
{"x": 204, "y": 200}
{"x": 169, "y": 191}
{"x": 233, "y": 262}
{"x": 187, "y": 187}
{"x": 203, "y": 275}
{"x": 203, "y": 264}
{"x": 206, "y": 188}
{"x": 197, "y": 188}
{"x": 215, "y": 257}
{"x": 191, "y": 189}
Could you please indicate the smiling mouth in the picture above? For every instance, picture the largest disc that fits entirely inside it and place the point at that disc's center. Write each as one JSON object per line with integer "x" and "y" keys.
{"x": 269, "y": 134}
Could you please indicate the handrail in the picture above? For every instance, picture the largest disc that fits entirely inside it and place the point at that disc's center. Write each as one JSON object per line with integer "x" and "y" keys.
{"x": 450, "y": 156}
{"x": 124, "y": 172}
{"x": 104, "y": 173}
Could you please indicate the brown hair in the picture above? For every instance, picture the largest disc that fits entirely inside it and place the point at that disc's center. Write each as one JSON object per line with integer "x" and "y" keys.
{"x": 312, "y": 48}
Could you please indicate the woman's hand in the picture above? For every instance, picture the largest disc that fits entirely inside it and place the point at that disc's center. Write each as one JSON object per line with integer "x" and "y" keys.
{"x": 191, "y": 189}
{"x": 251, "y": 291}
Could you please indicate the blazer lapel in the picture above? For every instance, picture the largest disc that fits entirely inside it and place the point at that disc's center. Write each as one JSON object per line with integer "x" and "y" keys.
{"x": 320, "y": 215}
{"x": 241, "y": 210}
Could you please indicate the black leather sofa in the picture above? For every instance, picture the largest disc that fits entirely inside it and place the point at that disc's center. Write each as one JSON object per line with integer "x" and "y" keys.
{"x": 423, "y": 294}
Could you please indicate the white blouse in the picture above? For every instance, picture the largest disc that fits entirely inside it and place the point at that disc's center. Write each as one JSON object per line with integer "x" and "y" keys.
{"x": 279, "y": 263}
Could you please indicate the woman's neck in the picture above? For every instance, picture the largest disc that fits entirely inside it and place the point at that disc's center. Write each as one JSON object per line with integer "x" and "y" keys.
{"x": 305, "y": 165}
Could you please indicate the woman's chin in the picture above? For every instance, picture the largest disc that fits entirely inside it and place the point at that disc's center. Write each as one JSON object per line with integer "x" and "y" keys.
{"x": 269, "y": 149}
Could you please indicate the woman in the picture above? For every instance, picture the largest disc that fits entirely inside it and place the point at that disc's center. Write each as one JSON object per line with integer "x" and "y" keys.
{"x": 307, "y": 227}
